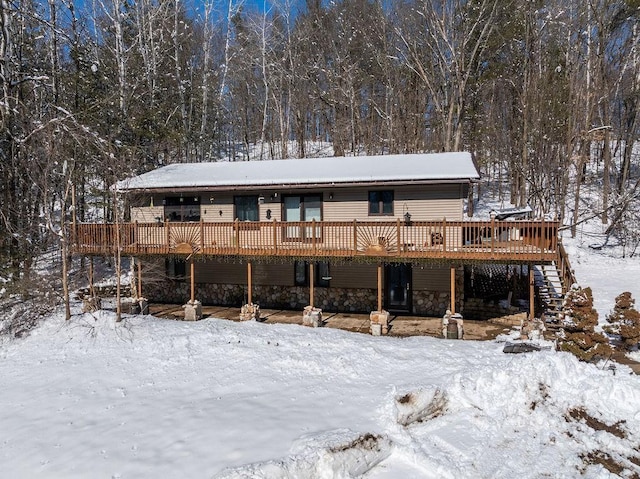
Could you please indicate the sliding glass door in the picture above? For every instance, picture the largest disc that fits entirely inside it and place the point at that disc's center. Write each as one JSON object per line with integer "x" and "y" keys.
{"x": 302, "y": 208}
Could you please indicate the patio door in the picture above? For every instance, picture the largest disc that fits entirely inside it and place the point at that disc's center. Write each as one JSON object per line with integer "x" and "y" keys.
{"x": 398, "y": 287}
{"x": 302, "y": 208}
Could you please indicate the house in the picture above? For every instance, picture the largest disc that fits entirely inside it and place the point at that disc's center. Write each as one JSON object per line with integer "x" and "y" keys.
{"x": 366, "y": 233}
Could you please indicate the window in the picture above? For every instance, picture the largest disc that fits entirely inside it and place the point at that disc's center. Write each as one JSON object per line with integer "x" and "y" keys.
{"x": 301, "y": 273}
{"x": 302, "y": 208}
{"x": 321, "y": 274}
{"x": 176, "y": 269}
{"x": 246, "y": 208}
{"x": 179, "y": 208}
{"x": 381, "y": 203}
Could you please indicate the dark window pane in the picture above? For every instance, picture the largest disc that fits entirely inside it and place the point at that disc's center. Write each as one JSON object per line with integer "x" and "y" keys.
{"x": 300, "y": 272}
{"x": 387, "y": 202}
{"x": 324, "y": 275}
{"x": 381, "y": 202}
{"x": 374, "y": 202}
{"x": 246, "y": 208}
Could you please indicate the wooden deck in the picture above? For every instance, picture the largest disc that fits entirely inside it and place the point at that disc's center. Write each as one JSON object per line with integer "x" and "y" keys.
{"x": 516, "y": 241}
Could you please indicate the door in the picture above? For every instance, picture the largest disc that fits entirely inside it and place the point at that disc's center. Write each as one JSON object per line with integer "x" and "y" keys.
{"x": 302, "y": 208}
{"x": 398, "y": 287}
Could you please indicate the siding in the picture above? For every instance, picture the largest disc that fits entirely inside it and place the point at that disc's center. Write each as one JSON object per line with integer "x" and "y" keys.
{"x": 281, "y": 274}
{"x": 424, "y": 203}
{"x": 147, "y": 214}
{"x": 212, "y": 271}
{"x": 354, "y": 275}
{"x": 431, "y": 278}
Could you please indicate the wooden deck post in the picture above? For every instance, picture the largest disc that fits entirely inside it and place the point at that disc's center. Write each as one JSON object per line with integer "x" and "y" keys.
{"x": 167, "y": 234}
{"x": 532, "y": 293}
{"x": 249, "y": 286}
{"x": 379, "y": 286}
{"x": 453, "y": 289}
{"x": 201, "y": 235}
{"x": 355, "y": 237}
{"x": 275, "y": 236}
{"x": 139, "y": 278}
{"x": 74, "y": 221}
{"x": 193, "y": 280}
{"x": 311, "y": 284}
{"x": 91, "y": 286}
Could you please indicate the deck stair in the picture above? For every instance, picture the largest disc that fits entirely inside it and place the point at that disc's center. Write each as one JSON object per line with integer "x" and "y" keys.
{"x": 550, "y": 288}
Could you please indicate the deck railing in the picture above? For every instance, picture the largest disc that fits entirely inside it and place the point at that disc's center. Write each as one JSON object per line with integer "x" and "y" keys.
{"x": 494, "y": 240}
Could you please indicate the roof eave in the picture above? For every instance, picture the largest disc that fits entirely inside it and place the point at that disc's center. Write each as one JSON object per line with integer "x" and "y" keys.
{"x": 271, "y": 186}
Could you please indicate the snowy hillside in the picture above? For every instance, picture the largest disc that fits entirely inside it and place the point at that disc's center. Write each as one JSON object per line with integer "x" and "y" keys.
{"x": 159, "y": 398}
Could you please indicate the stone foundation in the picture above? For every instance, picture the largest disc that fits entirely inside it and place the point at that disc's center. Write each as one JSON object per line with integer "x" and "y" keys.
{"x": 312, "y": 317}
{"x": 452, "y": 326}
{"x": 350, "y": 300}
{"x": 193, "y": 311}
{"x": 379, "y": 322}
{"x": 250, "y": 312}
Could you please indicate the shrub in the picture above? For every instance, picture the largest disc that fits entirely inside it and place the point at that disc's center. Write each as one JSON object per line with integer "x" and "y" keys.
{"x": 578, "y": 335}
{"x": 625, "y": 321}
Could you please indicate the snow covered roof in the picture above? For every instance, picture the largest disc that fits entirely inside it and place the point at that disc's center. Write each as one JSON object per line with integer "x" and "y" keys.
{"x": 413, "y": 168}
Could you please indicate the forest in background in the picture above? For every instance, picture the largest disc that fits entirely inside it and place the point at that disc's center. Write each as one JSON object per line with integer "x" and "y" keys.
{"x": 545, "y": 94}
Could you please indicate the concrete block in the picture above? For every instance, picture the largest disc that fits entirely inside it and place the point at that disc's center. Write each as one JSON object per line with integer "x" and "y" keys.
{"x": 193, "y": 311}
{"x": 312, "y": 317}
{"x": 376, "y": 329}
{"x": 250, "y": 312}
{"x": 381, "y": 318}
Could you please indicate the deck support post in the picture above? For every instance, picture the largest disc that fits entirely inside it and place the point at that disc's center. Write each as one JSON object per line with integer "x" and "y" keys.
{"x": 379, "y": 319}
{"x": 312, "y": 316}
{"x": 453, "y": 289}
{"x": 192, "y": 277}
{"x": 249, "y": 311}
{"x": 91, "y": 286}
{"x": 311, "y": 275}
{"x": 532, "y": 293}
{"x": 139, "y": 278}
{"x": 249, "y": 286}
{"x": 193, "y": 308}
{"x": 379, "y": 286}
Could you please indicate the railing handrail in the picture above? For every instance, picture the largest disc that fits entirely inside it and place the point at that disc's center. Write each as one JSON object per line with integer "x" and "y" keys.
{"x": 518, "y": 240}
{"x": 564, "y": 265}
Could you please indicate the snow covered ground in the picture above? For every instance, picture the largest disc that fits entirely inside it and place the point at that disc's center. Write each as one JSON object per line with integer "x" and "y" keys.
{"x": 160, "y": 398}
{"x": 149, "y": 398}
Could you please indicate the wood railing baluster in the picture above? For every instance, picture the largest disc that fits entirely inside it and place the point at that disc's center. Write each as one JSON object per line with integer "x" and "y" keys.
{"x": 509, "y": 240}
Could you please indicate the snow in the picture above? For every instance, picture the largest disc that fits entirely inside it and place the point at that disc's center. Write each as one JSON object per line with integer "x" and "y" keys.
{"x": 309, "y": 171}
{"x": 604, "y": 270}
{"x": 158, "y": 398}
{"x": 153, "y": 398}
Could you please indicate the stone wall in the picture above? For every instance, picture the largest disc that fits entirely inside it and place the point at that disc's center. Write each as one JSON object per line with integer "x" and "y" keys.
{"x": 354, "y": 300}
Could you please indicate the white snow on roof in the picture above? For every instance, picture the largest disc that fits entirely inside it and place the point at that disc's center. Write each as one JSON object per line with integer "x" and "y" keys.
{"x": 307, "y": 171}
